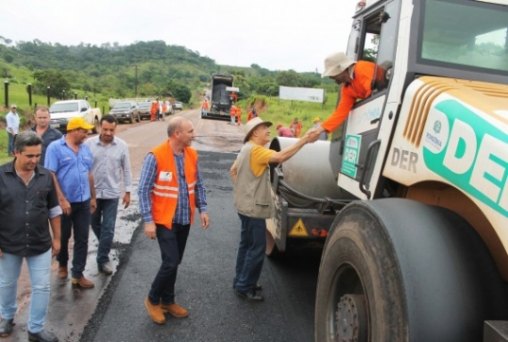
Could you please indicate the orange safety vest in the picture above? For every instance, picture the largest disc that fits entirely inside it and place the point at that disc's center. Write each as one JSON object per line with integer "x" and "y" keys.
{"x": 154, "y": 108}
{"x": 165, "y": 188}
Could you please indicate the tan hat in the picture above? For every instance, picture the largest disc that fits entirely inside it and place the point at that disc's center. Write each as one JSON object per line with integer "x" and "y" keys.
{"x": 252, "y": 124}
{"x": 336, "y": 63}
{"x": 78, "y": 122}
{"x": 14, "y": 106}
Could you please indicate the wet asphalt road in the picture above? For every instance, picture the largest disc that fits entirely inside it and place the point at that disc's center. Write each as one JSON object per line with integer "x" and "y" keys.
{"x": 204, "y": 283}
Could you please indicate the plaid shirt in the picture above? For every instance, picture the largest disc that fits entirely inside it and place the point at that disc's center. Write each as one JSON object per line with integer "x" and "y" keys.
{"x": 147, "y": 179}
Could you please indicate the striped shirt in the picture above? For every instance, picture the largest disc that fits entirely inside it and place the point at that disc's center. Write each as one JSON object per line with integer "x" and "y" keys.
{"x": 147, "y": 180}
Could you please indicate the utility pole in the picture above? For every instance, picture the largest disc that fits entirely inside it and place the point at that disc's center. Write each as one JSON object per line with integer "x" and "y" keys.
{"x": 136, "y": 80}
{"x": 6, "y": 92}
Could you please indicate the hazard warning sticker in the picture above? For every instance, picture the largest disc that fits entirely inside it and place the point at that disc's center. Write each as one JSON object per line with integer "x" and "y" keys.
{"x": 298, "y": 229}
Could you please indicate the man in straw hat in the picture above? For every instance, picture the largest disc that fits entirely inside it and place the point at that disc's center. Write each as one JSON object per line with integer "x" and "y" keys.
{"x": 253, "y": 201}
{"x": 356, "y": 79}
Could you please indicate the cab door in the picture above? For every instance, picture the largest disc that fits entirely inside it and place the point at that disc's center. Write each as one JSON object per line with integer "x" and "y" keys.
{"x": 372, "y": 39}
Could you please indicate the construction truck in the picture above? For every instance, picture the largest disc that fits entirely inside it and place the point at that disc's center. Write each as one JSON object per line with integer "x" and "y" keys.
{"x": 410, "y": 196}
{"x": 222, "y": 95}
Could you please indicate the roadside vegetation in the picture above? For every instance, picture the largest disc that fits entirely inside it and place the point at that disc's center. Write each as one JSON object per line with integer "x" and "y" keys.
{"x": 4, "y": 158}
{"x": 144, "y": 69}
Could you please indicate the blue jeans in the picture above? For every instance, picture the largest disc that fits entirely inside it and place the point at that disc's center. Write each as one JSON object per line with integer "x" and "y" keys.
{"x": 172, "y": 245}
{"x": 39, "y": 267}
{"x": 103, "y": 225}
{"x": 251, "y": 253}
{"x": 77, "y": 222}
{"x": 10, "y": 148}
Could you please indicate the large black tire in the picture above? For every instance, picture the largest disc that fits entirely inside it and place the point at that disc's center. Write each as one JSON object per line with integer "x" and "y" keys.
{"x": 398, "y": 270}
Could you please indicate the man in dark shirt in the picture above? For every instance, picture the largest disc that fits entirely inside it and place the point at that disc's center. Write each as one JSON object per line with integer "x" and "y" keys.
{"x": 27, "y": 200}
{"x": 43, "y": 130}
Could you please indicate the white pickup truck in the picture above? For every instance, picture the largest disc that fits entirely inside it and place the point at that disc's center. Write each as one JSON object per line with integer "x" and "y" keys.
{"x": 61, "y": 111}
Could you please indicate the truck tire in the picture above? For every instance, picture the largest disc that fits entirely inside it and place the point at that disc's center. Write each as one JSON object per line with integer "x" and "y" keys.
{"x": 399, "y": 270}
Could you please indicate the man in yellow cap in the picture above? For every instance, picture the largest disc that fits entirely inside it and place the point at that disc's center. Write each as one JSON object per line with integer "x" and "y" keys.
{"x": 70, "y": 162}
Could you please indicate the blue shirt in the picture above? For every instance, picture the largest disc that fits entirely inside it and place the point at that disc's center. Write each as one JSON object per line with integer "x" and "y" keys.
{"x": 147, "y": 179}
{"x": 71, "y": 169}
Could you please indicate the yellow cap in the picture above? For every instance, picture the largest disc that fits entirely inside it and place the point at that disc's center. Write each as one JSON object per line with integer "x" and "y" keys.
{"x": 78, "y": 122}
{"x": 316, "y": 119}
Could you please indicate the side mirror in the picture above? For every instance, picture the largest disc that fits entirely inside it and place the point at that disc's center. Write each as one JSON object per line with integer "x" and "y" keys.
{"x": 84, "y": 109}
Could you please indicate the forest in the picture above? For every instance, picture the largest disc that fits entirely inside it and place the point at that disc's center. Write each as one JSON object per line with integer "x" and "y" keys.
{"x": 141, "y": 69}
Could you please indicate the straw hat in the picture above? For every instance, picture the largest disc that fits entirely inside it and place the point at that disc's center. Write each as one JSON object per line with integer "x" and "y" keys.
{"x": 336, "y": 63}
{"x": 251, "y": 125}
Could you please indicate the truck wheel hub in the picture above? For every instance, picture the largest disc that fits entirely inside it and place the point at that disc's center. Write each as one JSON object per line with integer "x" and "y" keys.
{"x": 351, "y": 318}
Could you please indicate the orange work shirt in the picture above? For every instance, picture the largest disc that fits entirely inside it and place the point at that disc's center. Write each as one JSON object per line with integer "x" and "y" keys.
{"x": 359, "y": 88}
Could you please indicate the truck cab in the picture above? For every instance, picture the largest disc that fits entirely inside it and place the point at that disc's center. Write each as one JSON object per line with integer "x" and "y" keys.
{"x": 221, "y": 98}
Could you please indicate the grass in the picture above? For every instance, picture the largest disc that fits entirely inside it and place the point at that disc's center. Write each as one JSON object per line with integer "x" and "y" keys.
{"x": 4, "y": 158}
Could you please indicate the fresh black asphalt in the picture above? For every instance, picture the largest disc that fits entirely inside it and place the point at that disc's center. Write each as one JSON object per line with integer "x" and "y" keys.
{"x": 204, "y": 283}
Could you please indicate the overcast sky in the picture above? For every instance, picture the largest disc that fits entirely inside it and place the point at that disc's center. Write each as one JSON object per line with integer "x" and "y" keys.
{"x": 275, "y": 34}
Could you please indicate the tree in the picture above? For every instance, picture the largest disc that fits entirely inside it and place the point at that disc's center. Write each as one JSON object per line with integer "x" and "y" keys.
{"x": 179, "y": 90}
{"x": 54, "y": 79}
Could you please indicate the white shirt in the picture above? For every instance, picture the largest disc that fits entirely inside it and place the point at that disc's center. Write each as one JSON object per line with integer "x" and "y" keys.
{"x": 12, "y": 120}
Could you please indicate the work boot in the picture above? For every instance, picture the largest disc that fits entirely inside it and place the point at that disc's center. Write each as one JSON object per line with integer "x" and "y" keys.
{"x": 82, "y": 282}
{"x": 155, "y": 312}
{"x": 62, "y": 272}
{"x": 175, "y": 310}
{"x": 6, "y": 326}
{"x": 42, "y": 336}
{"x": 106, "y": 268}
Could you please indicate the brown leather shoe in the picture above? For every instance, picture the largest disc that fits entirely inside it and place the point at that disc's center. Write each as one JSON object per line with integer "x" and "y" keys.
{"x": 155, "y": 312}
{"x": 62, "y": 272}
{"x": 82, "y": 282}
{"x": 175, "y": 310}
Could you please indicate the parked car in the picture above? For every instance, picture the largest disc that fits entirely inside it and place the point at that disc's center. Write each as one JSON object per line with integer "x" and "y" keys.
{"x": 125, "y": 111}
{"x": 144, "y": 110}
{"x": 177, "y": 105}
{"x": 169, "y": 108}
{"x": 61, "y": 111}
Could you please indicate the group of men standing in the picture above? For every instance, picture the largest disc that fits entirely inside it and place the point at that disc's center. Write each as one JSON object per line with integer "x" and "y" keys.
{"x": 70, "y": 182}
{"x": 80, "y": 179}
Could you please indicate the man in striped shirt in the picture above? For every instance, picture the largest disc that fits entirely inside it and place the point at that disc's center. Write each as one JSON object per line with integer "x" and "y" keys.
{"x": 170, "y": 189}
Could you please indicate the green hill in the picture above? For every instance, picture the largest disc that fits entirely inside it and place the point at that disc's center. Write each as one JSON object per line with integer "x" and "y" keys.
{"x": 151, "y": 68}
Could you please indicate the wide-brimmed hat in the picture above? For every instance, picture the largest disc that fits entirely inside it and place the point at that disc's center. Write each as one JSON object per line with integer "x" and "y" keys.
{"x": 252, "y": 124}
{"x": 78, "y": 122}
{"x": 336, "y": 63}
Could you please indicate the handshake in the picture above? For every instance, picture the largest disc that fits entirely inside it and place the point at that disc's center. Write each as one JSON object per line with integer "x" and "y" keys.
{"x": 313, "y": 134}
